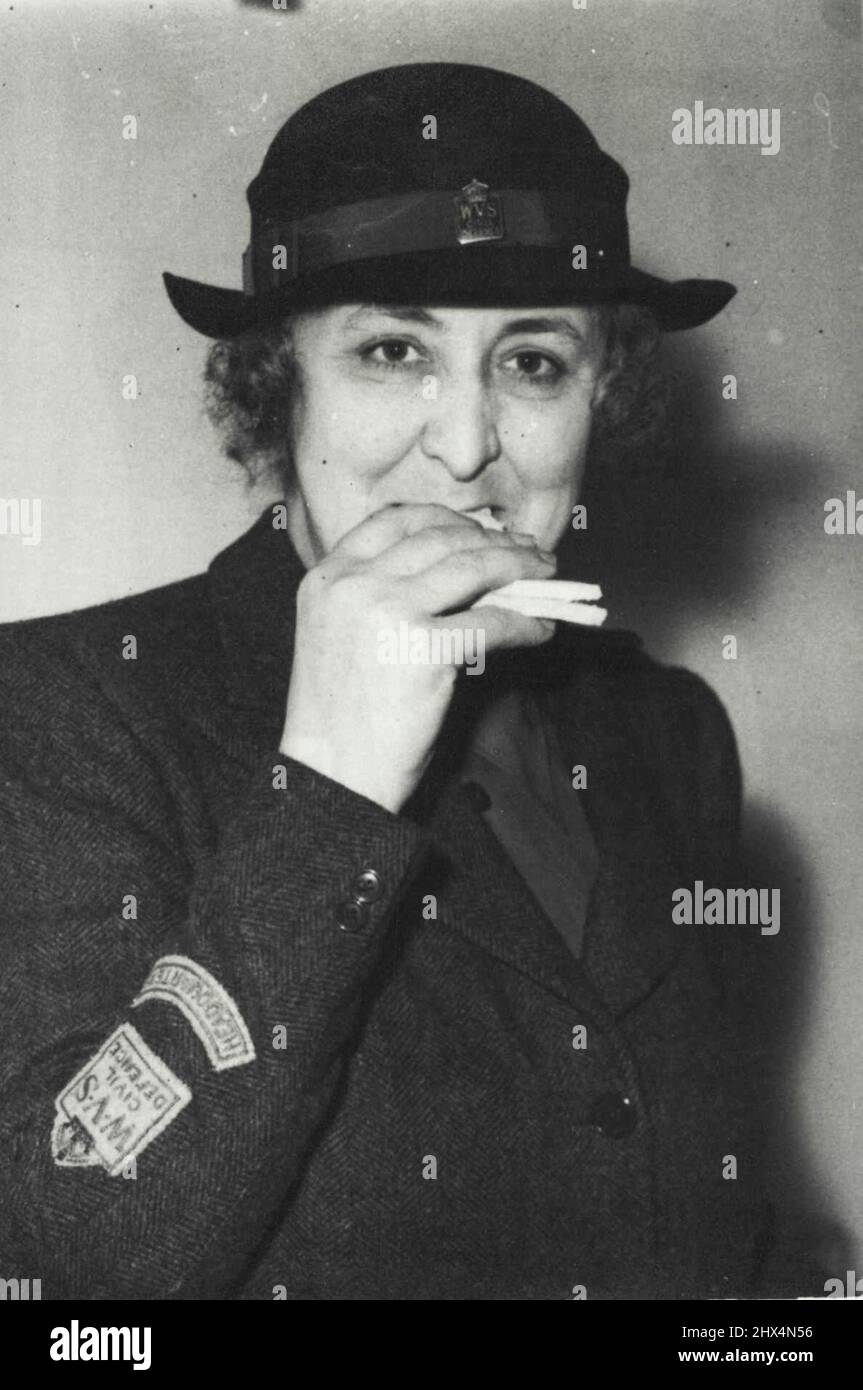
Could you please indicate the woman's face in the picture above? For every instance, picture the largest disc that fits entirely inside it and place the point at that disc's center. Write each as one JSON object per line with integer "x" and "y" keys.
{"x": 466, "y": 408}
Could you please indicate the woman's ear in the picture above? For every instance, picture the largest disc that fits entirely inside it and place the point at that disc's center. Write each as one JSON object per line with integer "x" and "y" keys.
{"x": 249, "y": 386}
{"x": 628, "y": 400}
{"x": 600, "y": 389}
{"x": 602, "y": 320}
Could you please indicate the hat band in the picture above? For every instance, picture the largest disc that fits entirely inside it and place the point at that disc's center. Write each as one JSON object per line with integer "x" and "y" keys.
{"x": 282, "y": 251}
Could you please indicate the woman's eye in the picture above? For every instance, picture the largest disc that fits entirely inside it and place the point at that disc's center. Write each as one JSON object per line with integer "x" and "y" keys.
{"x": 394, "y": 352}
{"x": 535, "y": 366}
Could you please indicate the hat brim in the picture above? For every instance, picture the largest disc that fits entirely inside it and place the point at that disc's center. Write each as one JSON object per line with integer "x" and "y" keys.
{"x": 478, "y": 277}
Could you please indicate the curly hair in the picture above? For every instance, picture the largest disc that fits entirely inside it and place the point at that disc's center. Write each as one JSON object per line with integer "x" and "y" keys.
{"x": 251, "y": 384}
{"x": 631, "y": 393}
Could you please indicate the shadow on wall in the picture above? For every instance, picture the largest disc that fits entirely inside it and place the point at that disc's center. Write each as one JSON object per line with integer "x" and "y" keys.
{"x": 675, "y": 536}
{"x": 779, "y": 1012}
{"x": 675, "y": 530}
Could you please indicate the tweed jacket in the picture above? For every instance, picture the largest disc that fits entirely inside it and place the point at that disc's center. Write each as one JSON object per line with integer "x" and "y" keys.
{"x": 396, "y": 1101}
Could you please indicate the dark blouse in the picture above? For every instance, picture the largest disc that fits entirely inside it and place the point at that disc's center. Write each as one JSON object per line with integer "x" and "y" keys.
{"x": 530, "y": 804}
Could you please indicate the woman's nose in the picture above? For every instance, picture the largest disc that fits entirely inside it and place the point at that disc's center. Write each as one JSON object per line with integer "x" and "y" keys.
{"x": 460, "y": 428}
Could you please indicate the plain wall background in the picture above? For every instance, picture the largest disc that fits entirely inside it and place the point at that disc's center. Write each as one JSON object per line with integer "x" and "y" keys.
{"x": 722, "y": 534}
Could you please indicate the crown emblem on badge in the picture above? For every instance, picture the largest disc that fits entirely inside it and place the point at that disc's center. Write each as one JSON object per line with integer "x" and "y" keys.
{"x": 479, "y": 214}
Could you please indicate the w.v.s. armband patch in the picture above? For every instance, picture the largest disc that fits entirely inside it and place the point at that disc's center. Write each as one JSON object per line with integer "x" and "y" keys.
{"x": 115, "y": 1105}
{"x": 208, "y": 1007}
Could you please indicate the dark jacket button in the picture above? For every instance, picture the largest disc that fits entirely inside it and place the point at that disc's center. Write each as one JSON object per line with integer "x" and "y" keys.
{"x": 476, "y": 795}
{"x": 352, "y": 915}
{"x": 613, "y": 1115}
{"x": 367, "y": 886}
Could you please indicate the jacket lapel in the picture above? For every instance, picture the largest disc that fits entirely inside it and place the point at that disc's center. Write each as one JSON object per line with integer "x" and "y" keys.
{"x": 493, "y": 906}
{"x": 630, "y": 941}
{"x": 253, "y": 585}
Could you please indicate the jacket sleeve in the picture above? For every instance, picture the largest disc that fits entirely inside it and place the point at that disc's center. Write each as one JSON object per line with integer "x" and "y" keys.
{"x": 215, "y": 1083}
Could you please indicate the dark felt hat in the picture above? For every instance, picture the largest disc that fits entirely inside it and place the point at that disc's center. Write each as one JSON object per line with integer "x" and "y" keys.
{"x": 437, "y": 184}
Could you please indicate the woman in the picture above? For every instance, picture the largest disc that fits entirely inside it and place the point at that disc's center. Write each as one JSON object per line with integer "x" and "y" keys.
{"x": 330, "y": 977}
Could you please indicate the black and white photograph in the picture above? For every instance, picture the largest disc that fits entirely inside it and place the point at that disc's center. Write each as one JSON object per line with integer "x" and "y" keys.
{"x": 431, "y": 675}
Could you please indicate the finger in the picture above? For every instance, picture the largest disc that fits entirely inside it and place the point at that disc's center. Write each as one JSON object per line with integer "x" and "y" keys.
{"x": 495, "y": 629}
{"x": 425, "y": 548}
{"x": 392, "y": 524}
{"x": 456, "y": 580}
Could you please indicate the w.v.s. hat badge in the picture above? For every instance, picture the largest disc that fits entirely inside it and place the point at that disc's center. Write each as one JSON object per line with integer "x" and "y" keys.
{"x": 479, "y": 215}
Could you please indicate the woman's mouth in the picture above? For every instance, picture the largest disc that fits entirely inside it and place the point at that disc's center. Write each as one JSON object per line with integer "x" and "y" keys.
{"x": 489, "y": 517}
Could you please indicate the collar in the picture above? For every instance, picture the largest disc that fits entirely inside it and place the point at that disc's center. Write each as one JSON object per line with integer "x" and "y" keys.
{"x": 253, "y": 588}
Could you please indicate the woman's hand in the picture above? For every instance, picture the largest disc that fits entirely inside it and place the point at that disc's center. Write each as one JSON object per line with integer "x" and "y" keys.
{"x": 370, "y": 725}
